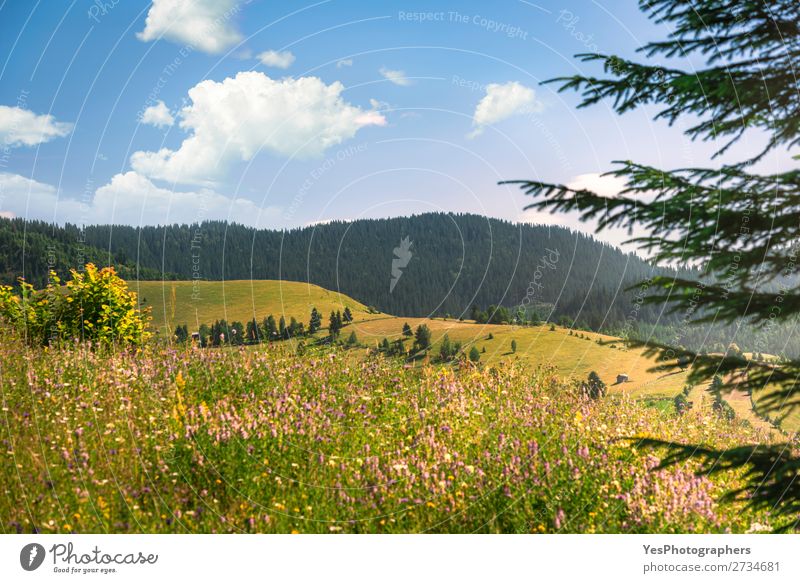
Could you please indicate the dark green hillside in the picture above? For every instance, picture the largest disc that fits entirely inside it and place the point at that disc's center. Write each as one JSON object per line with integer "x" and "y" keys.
{"x": 454, "y": 262}
{"x": 31, "y": 249}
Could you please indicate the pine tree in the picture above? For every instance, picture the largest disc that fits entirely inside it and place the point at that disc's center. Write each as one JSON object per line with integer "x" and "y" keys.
{"x": 445, "y": 349}
{"x": 270, "y": 328}
{"x": 282, "y": 330}
{"x": 594, "y": 387}
{"x": 348, "y": 315}
{"x": 422, "y": 337}
{"x": 407, "y": 330}
{"x": 334, "y": 325}
{"x": 237, "y": 334}
{"x": 513, "y": 346}
{"x": 315, "y": 322}
{"x": 204, "y": 333}
{"x": 295, "y": 328}
{"x": 474, "y": 354}
{"x": 738, "y": 225}
{"x": 253, "y": 333}
{"x": 181, "y": 334}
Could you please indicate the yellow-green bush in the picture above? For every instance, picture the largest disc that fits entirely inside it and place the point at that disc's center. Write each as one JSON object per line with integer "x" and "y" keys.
{"x": 95, "y": 305}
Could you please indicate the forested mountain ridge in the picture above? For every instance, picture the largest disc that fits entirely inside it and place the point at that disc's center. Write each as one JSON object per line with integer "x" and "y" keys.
{"x": 429, "y": 264}
{"x": 453, "y": 261}
{"x": 31, "y": 249}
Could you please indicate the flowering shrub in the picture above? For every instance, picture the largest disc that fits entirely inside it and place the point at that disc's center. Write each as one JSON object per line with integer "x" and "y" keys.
{"x": 95, "y": 305}
{"x": 261, "y": 440}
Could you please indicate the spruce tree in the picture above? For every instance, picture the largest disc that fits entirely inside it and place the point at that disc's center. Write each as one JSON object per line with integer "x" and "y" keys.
{"x": 270, "y": 328}
{"x": 237, "y": 334}
{"x": 253, "y": 333}
{"x": 315, "y": 322}
{"x": 181, "y": 334}
{"x": 740, "y": 227}
{"x": 334, "y": 325}
{"x": 445, "y": 349}
{"x": 204, "y": 333}
{"x": 422, "y": 337}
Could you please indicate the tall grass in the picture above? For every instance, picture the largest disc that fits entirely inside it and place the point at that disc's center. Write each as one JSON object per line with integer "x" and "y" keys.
{"x": 258, "y": 440}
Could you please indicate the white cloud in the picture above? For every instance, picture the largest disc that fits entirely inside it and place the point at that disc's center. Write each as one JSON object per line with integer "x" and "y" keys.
{"x": 203, "y": 24}
{"x": 128, "y": 199}
{"x": 157, "y": 115}
{"x": 24, "y": 197}
{"x": 609, "y": 186}
{"x": 598, "y": 183}
{"x": 232, "y": 120}
{"x": 280, "y": 60}
{"x": 21, "y": 127}
{"x": 501, "y": 102}
{"x": 396, "y": 77}
{"x": 131, "y": 198}
{"x": 344, "y": 63}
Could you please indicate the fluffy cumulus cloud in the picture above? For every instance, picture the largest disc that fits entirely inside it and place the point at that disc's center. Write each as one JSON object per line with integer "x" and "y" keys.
{"x": 501, "y": 102}
{"x": 232, "y": 120}
{"x": 277, "y": 59}
{"x": 21, "y": 127}
{"x": 133, "y": 199}
{"x": 128, "y": 199}
{"x": 18, "y": 194}
{"x": 206, "y": 25}
{"x": 396, "y": 77}
{"x": 157, "y": 115}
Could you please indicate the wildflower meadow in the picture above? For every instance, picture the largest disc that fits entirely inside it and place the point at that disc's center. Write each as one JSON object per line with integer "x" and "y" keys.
{"x": 164, "y": 439}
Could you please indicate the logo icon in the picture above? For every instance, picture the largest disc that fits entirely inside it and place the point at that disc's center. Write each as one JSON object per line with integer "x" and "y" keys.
{"x": 402, "y": 255}
{"x": 31, "y": 556}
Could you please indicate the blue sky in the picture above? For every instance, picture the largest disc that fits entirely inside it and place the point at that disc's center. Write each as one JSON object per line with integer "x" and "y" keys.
{"x": 285, "y": 114}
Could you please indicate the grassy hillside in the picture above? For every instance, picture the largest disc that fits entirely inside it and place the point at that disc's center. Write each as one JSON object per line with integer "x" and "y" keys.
{"x": 186, "y": 302}
{"x": 788, "y": 418}
{"x": 173, "y": 302}
{"x": 572, "y": 356}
